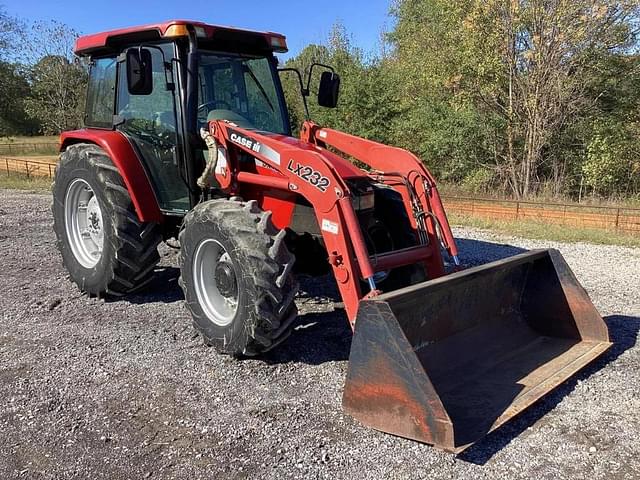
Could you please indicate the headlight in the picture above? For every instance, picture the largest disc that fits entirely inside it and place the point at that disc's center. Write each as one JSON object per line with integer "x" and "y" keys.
{"x": 363, "y": 202}
{"x": 362, "y": 194}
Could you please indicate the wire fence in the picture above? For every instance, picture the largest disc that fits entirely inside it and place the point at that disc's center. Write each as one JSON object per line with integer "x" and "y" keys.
{"x": 28, "y": 167}
{"x": 28, "y": 148}
{"x": 619, "y": 219}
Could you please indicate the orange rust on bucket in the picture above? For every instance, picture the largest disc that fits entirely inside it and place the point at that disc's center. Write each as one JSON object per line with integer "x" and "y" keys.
{"x": 390, "y": 404}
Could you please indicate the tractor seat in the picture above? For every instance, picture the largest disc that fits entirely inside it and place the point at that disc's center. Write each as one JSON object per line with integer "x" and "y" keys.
{"x": 231, "y": 116}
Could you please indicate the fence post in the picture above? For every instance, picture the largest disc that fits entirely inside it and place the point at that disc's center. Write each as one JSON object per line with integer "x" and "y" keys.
{"x": 517, "y": 209}
{"x": 617, "y": 218}
{"x": 6, "y": 161}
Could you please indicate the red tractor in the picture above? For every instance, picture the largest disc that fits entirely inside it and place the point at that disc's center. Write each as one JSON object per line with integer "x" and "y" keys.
{"x": 187, "y": 136}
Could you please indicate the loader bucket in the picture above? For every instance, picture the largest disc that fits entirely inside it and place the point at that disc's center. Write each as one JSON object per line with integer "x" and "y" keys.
{"x": 446, "y": 361}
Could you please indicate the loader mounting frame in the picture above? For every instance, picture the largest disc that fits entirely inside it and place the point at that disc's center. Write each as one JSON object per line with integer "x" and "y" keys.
{"x": 306, "y": 167}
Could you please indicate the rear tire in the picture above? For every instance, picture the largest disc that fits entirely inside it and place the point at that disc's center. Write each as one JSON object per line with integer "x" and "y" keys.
{"x": 115, "y": 254}
{"x": 237, "y": 277}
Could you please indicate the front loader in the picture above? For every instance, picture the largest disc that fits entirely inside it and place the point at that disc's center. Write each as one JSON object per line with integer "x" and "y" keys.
{"x": 187, "y": 136}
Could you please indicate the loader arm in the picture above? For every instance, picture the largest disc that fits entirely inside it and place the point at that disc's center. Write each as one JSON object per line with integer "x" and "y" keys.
{"x": 397, "y": 168}
{"x": 301, "y": 168}
{"x": 317, "y": 174}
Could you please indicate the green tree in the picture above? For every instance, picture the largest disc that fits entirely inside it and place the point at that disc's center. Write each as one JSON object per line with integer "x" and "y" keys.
{"x": 518, "y": 68}
{"x": 368, "y": 98}
{"x": 13, "y": 118}
{"x": 57, "y": 78}
{"x": 14, "y": 85}
{"x": 56, "y": 99}
{"x": 439, "y": 119}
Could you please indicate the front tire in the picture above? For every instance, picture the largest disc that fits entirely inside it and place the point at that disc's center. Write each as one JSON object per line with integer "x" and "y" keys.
{"x": 104, "y": 247}
{"x": 237, "y": 277}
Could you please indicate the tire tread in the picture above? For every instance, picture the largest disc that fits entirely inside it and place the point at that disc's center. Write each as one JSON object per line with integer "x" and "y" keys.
{"x": 135, "y": 244}
{"x": 269, "y": 263}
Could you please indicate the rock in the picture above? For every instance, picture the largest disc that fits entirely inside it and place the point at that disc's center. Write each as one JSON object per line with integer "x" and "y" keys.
{"x": 54, "y": 303}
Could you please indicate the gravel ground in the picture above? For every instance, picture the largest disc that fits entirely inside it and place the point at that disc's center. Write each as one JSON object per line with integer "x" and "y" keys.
{"x": 125, "y": 389}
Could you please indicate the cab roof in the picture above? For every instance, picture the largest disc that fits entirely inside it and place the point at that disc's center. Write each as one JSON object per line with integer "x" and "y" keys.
{"x": 221, "y": 36}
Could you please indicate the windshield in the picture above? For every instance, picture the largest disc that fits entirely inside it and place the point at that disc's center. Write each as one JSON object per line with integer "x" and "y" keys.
{"x": 242, "y": 90}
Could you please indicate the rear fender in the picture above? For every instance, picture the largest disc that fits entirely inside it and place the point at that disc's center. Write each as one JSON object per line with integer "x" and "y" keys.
{"x": 128, "y": 163}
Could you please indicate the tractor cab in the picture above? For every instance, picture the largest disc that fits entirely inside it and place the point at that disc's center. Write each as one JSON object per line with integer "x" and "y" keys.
{"x": 161, "y": 84}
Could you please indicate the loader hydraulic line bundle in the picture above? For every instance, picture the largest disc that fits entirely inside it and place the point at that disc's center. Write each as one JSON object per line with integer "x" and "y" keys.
{"x": 187, "y": 136}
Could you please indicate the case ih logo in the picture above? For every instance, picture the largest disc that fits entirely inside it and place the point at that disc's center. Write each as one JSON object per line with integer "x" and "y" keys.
{"x": 245, "y": 141}
{"x": 262, "y": 150}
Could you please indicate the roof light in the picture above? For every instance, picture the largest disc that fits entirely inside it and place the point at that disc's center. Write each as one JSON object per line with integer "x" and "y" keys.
{"x": 176, "y": 31}
{"x": 279, "y": 44}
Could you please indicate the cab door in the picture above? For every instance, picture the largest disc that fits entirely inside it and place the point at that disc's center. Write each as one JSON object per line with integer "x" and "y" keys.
{"x": 151, "y": 124}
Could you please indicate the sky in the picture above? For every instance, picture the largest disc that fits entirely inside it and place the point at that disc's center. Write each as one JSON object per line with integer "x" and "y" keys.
{"x": 301, "y": 22}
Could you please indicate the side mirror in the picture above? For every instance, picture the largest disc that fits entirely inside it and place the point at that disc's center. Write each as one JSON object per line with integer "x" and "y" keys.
{"x": 139, "y": 71}
{"x": 329, "y": 90}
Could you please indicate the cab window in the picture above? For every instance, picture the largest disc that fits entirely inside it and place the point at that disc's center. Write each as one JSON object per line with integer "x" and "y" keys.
{"x": 242, "y": 90}
{"x": 101, "y": 92}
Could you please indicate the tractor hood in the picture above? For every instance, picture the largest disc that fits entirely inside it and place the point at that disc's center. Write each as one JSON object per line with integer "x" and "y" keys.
{"x": 342, "y": 166}
{"x": 277, "y": 147}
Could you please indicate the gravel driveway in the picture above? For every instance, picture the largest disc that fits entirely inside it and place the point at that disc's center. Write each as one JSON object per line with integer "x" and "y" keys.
{"x": 125, "y": 389}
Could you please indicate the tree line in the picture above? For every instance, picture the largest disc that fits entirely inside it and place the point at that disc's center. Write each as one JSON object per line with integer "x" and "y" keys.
{"x": 42, "y": 83}
{"x": 517, "y": 97}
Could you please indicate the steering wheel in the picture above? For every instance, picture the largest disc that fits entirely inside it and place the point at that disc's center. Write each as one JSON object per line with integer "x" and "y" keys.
{"x": 157, "y": 139}
{"x": 211, "y": 105}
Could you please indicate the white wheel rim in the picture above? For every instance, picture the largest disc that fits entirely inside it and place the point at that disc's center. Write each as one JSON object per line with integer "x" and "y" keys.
{"x": 218, "y": 308}
{"x": 83, "y": 223}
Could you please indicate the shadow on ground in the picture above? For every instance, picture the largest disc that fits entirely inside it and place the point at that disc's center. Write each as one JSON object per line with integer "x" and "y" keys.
{"x": 164, "y": 285}
{"x": 162, "y": 288}
{"x": 316, "y": 338}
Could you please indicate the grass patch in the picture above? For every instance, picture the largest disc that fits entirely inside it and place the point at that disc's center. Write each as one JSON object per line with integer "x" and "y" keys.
{"x": 547, "y": 231}
{"x": 21, "y": 145}
{"x": 22, "y": 182}
{"x": 632, "y": 201}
